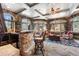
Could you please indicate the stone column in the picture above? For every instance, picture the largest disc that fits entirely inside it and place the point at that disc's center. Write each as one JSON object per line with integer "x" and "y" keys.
{"x": 2, "y": 23}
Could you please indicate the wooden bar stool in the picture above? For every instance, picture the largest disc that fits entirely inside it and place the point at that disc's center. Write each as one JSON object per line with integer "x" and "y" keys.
{"x": 39, "y": 45}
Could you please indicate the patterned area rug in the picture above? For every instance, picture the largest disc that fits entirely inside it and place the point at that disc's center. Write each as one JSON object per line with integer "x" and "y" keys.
{"x": 56, "y": 49}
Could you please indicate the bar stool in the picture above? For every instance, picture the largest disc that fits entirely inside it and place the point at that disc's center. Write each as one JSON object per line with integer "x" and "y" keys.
{"x": 39, "y": 45}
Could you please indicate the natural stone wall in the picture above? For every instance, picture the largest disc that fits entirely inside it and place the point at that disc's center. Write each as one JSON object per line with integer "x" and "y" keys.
{"x": 26, "y": 43}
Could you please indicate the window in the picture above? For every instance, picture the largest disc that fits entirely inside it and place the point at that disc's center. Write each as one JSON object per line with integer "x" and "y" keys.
{"x": 75, "y": 22}
{"x": 8, "y": 21}
{"x": 7, "y": 16}
{"x": 8, "y": 24}
{"x": 39, "y": 25}
{"x": 58, "y": 26}
{"x": 25, "y": 25}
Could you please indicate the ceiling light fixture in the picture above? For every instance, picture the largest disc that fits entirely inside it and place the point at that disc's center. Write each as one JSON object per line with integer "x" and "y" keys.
{"x": 57, "y": 10}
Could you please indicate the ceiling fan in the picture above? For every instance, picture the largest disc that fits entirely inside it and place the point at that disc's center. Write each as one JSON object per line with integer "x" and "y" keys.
{"x": 52, "y": 11}
{"x": 58, "y": 10}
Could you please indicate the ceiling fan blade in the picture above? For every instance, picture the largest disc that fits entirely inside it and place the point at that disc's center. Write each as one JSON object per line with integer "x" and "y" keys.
{"x": 19, "y": 11}
{"x": 25, "y": 16}
{"x": 57, "y": 11}
{"x": 62, "y": 10}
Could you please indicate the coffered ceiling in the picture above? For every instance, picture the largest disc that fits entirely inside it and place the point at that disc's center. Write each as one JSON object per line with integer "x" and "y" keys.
{"x": 42, "y": 10}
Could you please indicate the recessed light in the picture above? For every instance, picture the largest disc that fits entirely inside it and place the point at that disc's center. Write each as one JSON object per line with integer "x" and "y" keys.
{"x": 8, "y": 7}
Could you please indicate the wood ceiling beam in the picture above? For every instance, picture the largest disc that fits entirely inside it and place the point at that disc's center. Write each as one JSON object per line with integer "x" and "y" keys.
{"x": 41, "y": 13}
{"x": 31, "y": 5}
{"x": 22, "y": 16}
{"x": 21, "y": 10}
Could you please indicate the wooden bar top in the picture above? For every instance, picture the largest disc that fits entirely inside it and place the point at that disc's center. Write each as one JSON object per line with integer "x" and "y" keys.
{"x": 38, "y": 38}
{"x": 22, "y": 32}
